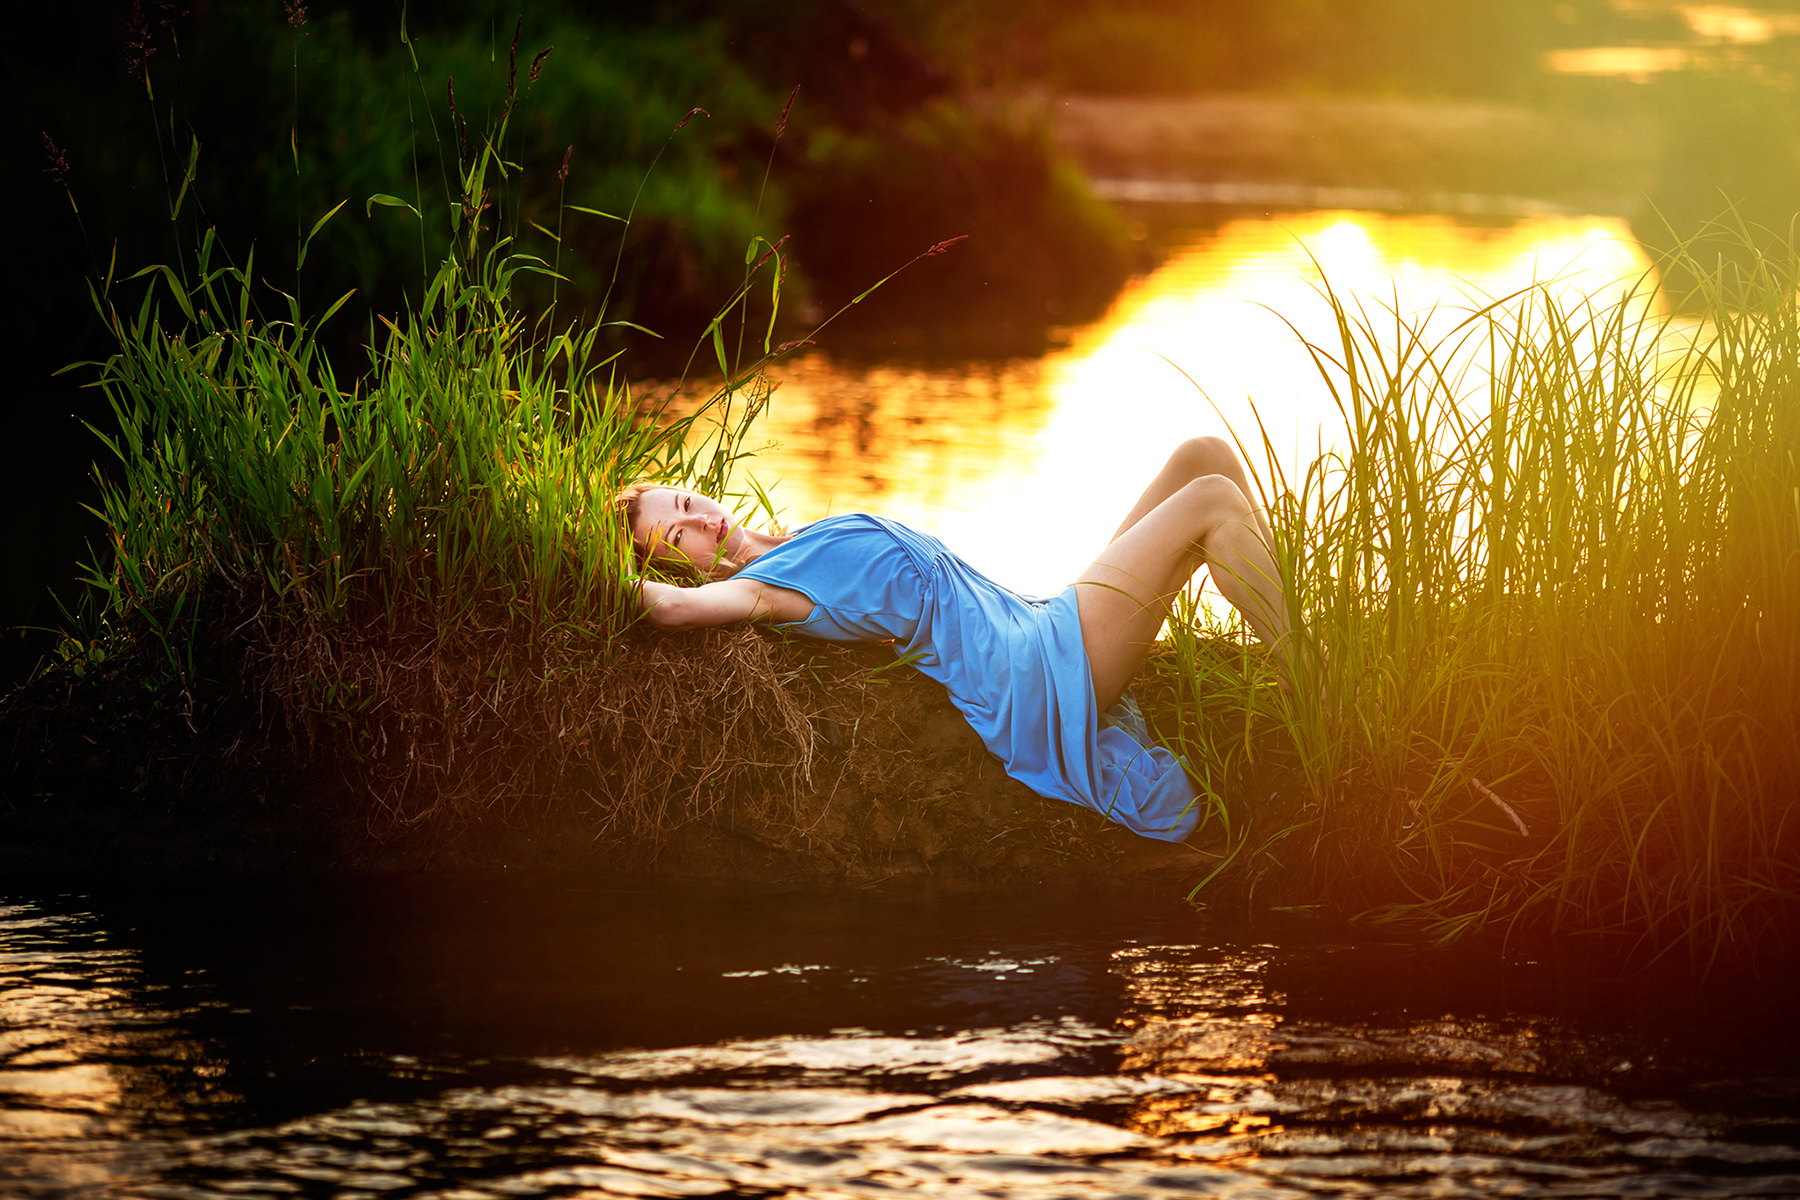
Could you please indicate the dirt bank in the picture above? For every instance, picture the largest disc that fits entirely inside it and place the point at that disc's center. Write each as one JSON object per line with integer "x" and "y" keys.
{"x": 881, "y": 779}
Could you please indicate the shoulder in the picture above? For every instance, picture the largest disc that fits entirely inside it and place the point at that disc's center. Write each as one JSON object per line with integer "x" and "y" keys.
{"x": 838, "y": 521}
{"x": 847, "y": 545}
{"x": 852, "y": 524}
{"x": 814, "y": 534}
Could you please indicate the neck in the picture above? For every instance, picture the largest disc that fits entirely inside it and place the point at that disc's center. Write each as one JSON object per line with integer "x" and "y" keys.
{"x": 754, "y": 544}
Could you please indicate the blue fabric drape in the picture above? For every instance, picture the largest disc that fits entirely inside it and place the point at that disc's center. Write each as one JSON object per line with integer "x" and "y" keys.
{"x": 1014, "y": 666}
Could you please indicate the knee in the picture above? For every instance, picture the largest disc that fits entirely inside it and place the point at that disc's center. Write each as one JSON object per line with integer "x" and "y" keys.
{"x": 1202, "y": 456}
{"x": 1212, "y": 499}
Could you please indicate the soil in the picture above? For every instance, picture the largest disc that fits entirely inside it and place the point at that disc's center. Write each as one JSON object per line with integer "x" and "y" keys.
{"x": 100, "y": 774}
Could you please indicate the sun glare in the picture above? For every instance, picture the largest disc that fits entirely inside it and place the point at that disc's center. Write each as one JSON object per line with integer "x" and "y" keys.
{"x": 1026, "y": 467}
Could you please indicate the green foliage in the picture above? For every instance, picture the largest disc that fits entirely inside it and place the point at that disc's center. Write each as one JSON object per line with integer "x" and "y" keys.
{"x": 1550, "y": 584}
{"x": 1038, "y": 239}
{"x": 291, "y": 120}
{"x": 466, "y": 480}
{"x": 1449, "y": 47}
{"x": 1551, "y": 674}
{"x": 614, "y": 95}
{"x": 470, "y": 473}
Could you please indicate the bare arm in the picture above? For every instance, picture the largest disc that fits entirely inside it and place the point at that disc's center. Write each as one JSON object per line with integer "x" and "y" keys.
{"x": 722, "y": 603}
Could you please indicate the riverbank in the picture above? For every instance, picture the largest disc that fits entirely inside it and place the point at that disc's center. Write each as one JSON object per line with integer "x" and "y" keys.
{"x": 851, "y": 771}
{"x": 1170, "y": 158}
{"x": 398, "y": 627}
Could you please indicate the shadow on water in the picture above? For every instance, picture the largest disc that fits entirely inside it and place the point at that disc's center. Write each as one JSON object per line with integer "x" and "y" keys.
{"x": 543, "y": 1035}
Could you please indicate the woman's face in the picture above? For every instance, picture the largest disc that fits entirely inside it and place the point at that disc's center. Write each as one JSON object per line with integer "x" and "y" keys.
{"x": 675, "y": 527}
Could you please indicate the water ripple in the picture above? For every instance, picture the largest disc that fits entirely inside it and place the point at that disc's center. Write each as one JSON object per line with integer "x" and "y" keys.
{"x": 1193, "y": 1071}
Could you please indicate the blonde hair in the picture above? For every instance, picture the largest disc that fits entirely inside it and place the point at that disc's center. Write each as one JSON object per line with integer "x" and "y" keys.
{"x": 629, "y": 503}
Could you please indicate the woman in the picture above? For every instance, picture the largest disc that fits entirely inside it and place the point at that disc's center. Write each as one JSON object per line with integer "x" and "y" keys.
{"x": 1033, "y": 677}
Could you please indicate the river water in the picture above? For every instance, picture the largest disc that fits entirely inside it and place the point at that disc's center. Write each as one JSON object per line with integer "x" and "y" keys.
{"x": 1025, "y": 466}
{"x": 510, "y": 1035}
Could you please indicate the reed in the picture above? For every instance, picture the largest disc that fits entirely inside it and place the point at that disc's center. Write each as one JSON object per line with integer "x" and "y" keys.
{"x": 1550, "y": 582}
{"x": 423, "y": 560}
{"x": 473, "y": 466}
{"x": 347, "y": 551}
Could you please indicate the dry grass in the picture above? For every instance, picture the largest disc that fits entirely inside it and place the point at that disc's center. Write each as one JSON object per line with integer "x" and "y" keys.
{"x": 730, "y": 753}
{"x": 431, "y": 727}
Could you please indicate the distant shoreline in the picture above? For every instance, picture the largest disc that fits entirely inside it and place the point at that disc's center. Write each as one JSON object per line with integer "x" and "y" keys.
{"x": 1382, "y": 153}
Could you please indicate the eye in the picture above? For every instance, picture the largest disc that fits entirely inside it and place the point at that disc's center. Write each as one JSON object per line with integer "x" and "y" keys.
{"x": 677, "y": 540}
{"x": 687, "y": 504}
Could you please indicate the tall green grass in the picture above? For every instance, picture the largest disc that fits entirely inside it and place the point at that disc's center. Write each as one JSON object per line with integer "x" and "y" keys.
{"x": 417, "y": 579}
{"x": 473, "y": 468}
{"x": 463, "y": 483}
{"x": 1550, "y": 582}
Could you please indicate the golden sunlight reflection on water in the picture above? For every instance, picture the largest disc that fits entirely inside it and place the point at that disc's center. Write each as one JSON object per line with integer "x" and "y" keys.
{"x": 1026, "y": 467}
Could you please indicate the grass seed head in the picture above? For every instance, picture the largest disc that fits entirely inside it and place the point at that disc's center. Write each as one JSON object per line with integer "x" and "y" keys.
{"x": 512, "y": 60}
{"x": 781, "y": 121}
{"x": 137, "y": 40}
{"x": 774, "y": 248}
{"x": 456, "y": 120}
{"x": 58, "y": 162}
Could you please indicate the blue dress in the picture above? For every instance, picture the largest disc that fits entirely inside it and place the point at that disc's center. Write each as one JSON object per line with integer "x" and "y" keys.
{"x": 1015, "y": 667}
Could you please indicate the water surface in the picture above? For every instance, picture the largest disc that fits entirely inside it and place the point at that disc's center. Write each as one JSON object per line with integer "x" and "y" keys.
{"x": 505, "y": 1036}
{"x": 1025, "y": 467}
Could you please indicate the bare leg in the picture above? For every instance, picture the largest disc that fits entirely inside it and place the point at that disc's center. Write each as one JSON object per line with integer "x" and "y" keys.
{"x": 1125, "y": 596}
{"x": 1194, "y": 459}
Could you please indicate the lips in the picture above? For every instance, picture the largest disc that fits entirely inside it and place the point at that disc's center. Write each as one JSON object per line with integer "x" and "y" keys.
{"x": 724, "y": 527}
